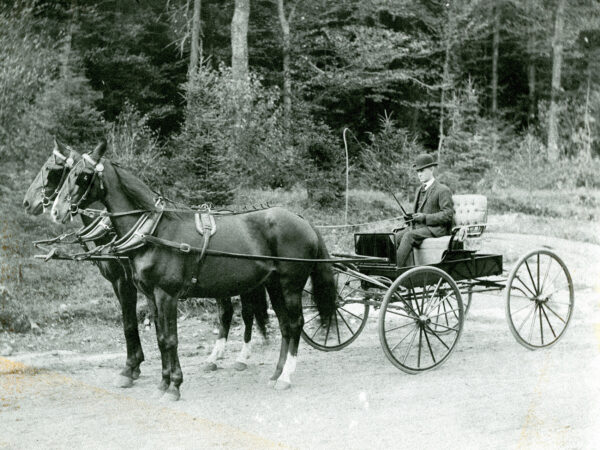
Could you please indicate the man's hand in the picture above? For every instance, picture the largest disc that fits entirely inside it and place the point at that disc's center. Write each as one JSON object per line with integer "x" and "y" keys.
{"x": 407, "y": 217}
{"x": 418, "y": 217}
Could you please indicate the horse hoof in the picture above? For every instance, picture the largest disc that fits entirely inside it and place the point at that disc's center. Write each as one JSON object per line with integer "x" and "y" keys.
{"x": 136, "y": 373}
{"x": 123, "y": 382}
{"x": 282, "y": 385}
{"x": 210, "y": 367}
{"x": 239, "y": 366}
{"x": 272, "y": 383}
{"x": 171, "y": 395}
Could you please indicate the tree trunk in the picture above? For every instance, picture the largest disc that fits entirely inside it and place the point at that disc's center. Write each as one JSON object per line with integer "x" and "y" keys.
{"x": 66, "y": 53}
{"x": 445, "y": 79}
{"x": 557, "y": 47}
{"x": 196, "y": 42}
{"x": 495, "y": 45}
{"x": 239, "y": 40}
{"x": 287, "y": 81}
{"x": 532, "y": 109}
{"x": 586, "y": 120}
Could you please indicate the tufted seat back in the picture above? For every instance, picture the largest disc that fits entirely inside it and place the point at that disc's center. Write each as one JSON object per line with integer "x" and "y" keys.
{"x": 470, "y": 209}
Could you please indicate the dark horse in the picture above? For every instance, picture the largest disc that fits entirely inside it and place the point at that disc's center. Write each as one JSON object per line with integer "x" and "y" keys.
{"x": 42, "y": 192}
{"x": 166, "y": 274}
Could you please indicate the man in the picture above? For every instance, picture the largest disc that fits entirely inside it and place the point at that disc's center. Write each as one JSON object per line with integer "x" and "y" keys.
{"x": 433, "y": 211}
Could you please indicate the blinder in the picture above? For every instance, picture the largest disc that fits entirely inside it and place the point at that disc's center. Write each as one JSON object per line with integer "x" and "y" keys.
{"x": 85, "y": 181}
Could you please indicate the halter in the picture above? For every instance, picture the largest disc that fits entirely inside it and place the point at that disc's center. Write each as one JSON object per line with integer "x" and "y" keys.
{"x": 98, "y": 169}
{"x": 68, "y": 163}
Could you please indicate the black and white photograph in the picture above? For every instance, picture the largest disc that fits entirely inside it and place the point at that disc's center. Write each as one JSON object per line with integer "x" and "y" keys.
{"x": 304, "y": 224}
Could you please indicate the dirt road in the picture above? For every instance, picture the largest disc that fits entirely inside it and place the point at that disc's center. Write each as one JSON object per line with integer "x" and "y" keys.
{"x": 491, "y": 393}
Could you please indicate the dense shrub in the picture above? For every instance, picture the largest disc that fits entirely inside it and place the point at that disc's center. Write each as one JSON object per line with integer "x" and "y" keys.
{"x": 26, "y": 61}
{"x": 136, "y": 147}
{"x": 386, "y": 161}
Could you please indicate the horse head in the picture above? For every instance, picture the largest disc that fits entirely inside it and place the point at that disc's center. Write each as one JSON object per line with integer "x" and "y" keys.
{"x": 49, "y": 179}
{"x": 81, "y": 186}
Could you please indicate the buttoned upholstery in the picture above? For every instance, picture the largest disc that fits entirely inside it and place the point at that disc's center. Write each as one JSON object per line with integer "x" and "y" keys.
{"x": 470, "y": 217}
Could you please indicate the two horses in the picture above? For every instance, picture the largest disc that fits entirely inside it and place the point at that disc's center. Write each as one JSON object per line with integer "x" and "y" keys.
{"x": 39, "y": 196}
{"x": 165, "y": 274}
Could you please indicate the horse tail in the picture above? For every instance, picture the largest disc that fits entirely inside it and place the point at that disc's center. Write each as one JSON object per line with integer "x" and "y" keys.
{"x": 260, "y": 311}
{"x": 324, "y": 287}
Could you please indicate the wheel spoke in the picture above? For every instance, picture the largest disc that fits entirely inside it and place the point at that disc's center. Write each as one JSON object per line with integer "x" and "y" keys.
{"x": 531, "y": 277}
{"x": 532, "y": 323}
{"x": 398, "y": 327}
{"x": 327, "y": 332}
{"x": 437, "y": 286}
{"x": 444, "y": 313}
{"x": 438, "y": 302}
{"x": 316, "y": 331}
{"x": 525, "y": 286}
{"x": 313, "y": 318}
{"x": 444, "y": 326}
{"x": 528, "y": 305}
{"x": 546, "y": 275}
{"x": 430, "y": 350}
{"x": 352, "y": 314}
{"x": 525, "y": 320}
{"x": 351, "y": 330}
{"x": 556, "y": 290}
{"x": 541, "y": 325}
{"x": 434, "y": 334}
{"x": 410, "y": 345}
{"x": 419, "y": 353}
{"x": 552, "y": 311}
{"x": 548, "y": 321}
{"x": 337, "y": 327}
{"x": 402, "y": 340}
{"x": 399, "y": 314}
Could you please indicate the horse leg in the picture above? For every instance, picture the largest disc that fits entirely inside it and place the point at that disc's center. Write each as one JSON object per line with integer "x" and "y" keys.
{"x": 158, "y": 312}
{"x": 127, "y": 295}
{"x": 248, "y": 301}
{"x": 277, "y": 301}
{"x": 225, "y": 311}
{"x": 167, "y": 322}
{"x": 293, "y": 303}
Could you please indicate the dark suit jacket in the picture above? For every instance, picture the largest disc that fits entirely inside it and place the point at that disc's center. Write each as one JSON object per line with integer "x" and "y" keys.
{"x": 438, "y": 208}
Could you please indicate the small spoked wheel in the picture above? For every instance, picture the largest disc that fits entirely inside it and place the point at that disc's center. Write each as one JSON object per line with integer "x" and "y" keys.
{"x": 421, "y": 319}
{"x": 539, "y": 299}
{"x": 349, "y": 319}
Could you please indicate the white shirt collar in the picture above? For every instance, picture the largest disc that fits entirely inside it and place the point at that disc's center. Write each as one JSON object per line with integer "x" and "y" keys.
{"x": 428, "y": 184}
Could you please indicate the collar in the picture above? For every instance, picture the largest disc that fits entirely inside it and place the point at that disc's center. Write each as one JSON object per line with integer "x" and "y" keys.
{"x": 428, "y": 184}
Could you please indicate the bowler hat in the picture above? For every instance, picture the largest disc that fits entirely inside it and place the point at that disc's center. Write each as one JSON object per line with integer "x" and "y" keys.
{"x": 424, "y": 160}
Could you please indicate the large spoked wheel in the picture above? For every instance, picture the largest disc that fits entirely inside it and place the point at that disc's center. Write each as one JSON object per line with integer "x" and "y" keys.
{"x": 350, "y": 316}
{"x": 421, "y": 319}
{"x": 539, "y": 299}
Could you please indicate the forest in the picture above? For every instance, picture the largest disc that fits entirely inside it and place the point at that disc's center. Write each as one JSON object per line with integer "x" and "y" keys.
{"x": 207, "y": 98}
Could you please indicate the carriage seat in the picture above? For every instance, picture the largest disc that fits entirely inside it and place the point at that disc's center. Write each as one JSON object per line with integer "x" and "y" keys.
{"x": 469, "y": 223}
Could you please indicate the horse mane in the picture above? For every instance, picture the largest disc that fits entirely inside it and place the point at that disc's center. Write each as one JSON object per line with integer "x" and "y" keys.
{"x": 138, "y": 192}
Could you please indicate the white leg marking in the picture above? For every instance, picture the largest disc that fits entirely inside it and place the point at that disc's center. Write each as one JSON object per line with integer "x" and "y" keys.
{"x": 218, "y": 351}
{"x": 288, "y": 369}
{"x": 245, "y": 353}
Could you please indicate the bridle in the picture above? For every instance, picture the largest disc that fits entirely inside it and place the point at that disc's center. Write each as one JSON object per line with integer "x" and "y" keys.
{"x": 68, "y": 164}
{"x": 98, "y": 169}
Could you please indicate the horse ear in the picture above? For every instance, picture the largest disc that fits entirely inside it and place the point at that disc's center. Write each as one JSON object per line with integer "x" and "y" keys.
{"x": 99, "y": 150}
{"x": 59, "y": 146}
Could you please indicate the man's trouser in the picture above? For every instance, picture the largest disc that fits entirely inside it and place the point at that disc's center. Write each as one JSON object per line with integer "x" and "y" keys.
{"x": 408, "y": 238}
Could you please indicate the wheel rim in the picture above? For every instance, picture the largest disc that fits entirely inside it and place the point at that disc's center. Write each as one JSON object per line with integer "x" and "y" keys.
{"x": 421, "y": 319}
{"x": 346, "y": 323}
{"x": 539, "y": 299}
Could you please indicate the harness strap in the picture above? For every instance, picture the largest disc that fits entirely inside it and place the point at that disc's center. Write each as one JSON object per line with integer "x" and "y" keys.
{"x": 186, "y": 248}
